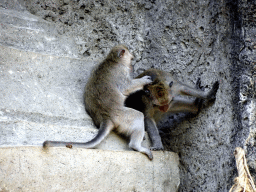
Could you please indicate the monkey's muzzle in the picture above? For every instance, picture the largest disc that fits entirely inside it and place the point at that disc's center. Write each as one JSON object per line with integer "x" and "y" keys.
{"x": 164, "y": 108}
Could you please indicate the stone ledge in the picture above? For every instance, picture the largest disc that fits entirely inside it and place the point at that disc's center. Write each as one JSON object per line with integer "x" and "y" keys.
{"x": 63, "y": 169}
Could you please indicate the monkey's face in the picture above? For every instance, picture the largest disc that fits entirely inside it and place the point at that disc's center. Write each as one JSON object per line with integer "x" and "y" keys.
{"x": 120, "y": 53}
{"x": 159, "y": 95}
{"x": 127, "y": 57}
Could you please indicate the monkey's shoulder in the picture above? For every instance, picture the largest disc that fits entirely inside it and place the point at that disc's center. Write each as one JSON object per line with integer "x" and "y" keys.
{"x": 110, "y": 72}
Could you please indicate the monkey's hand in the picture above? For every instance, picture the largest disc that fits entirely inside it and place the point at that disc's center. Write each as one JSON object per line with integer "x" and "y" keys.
{"x": 137, "y": 84}
{"x": 146, "y": 80}
{"x": 198, "y": 84}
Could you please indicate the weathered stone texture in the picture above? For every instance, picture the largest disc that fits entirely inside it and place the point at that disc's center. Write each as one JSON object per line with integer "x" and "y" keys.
{"x": 32, "y": 169}
{"x": 246, "y": 62}
{"x": 213, "y": 40}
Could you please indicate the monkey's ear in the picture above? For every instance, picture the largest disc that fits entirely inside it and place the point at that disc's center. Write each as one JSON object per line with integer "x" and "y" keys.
{"x": 121, "y": 53}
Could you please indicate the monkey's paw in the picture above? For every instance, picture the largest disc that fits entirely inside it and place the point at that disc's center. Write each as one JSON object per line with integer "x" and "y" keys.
{"x": 198, "y": 84}
{"x": 146, "y": 80}
{"x": 150, "y": 155}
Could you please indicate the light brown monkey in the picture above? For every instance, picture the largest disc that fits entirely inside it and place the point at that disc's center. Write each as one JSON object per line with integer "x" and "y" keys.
{"x": 105, "y": 92}
{"x": 164, "y": 96}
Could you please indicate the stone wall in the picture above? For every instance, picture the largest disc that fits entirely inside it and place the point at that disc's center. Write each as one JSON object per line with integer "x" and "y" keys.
{"x": 213, "y": 40}
{"x": 244, "y": 37}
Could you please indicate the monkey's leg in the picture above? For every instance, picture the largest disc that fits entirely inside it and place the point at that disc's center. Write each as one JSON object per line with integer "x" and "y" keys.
{"x": 184, "y": 89}
{"x": 181, "y": 104}
{"x": 153, "y": 133}
{"x": 135, "y": 143}
{"x": 105, "y": 127}
{"x": 199, "y": 102}
{"x": 131, "y": 123}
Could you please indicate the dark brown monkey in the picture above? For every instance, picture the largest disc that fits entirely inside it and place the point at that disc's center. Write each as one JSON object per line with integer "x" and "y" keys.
{"x": 165, "y": 94}
{"x": 105, "y": 92}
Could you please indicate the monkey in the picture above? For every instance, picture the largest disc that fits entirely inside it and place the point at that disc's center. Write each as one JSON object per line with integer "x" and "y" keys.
{"x": 166, "y": 95}
{"x": 105, "y": 92}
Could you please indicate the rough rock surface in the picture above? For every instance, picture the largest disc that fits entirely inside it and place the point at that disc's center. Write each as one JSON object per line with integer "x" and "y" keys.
{"x": 207, "y": 39}
{"x": 246, "y": 81}
{"x": 33, "y": 169}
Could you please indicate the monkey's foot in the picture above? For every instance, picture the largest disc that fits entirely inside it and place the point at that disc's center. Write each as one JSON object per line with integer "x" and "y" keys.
{"x": 199, "y": 105}
{"x": 157, "y": 148}
{"x": 147, "y": 152}
{"x": 212, "y": 93}
{"x": 142, "y": 150}
{"x": 150, "y": 155}
{"x": 198, "y": 83}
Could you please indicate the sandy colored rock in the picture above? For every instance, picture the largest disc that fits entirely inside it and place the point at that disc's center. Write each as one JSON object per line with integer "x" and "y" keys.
{"x": 62, "y": 169}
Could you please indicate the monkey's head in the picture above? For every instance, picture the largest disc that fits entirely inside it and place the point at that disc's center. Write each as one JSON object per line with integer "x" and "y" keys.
{"x": 158, "y": 92}
{"x": 120, "y": 54}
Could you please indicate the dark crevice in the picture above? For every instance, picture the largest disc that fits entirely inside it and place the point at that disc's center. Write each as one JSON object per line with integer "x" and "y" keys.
{"x": 236, "y": 68}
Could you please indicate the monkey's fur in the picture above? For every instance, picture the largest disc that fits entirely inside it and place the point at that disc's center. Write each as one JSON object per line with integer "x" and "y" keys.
{"x": 164, "y": 96}
{"x": 105, "y": 92}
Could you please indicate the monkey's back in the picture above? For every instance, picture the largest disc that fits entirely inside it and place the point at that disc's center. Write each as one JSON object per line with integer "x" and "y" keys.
{"x": 102, "y": 92}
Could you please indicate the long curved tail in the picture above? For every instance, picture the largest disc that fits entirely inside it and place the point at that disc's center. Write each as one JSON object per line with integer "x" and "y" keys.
{"x": 105, "y": 128}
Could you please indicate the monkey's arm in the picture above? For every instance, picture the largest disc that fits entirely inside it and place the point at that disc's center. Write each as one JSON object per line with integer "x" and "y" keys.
{"x": 153, "y": 133}
{"x": 137, "y": 84}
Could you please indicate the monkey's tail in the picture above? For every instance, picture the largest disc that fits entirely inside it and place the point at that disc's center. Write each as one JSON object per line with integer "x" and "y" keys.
{"x": 105, "y": 128}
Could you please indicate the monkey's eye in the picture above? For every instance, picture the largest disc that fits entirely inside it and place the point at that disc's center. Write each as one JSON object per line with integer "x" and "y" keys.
{"x": 170, "y": 84}
{"x": 147, "y": 91}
